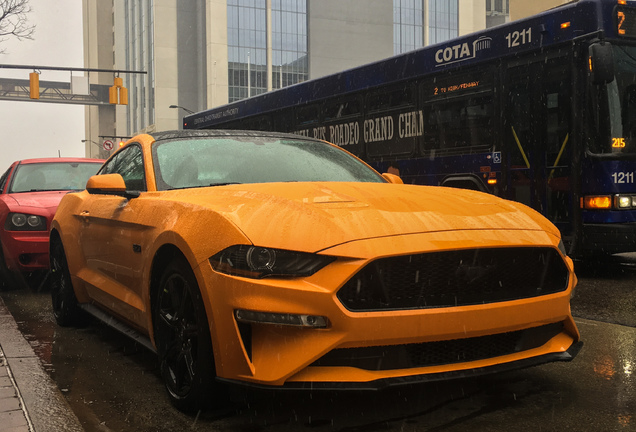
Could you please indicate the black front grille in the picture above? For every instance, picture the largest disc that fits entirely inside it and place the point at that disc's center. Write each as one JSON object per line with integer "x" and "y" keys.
{"x": 442, "y": 352}
{"x": 455, "y": 278}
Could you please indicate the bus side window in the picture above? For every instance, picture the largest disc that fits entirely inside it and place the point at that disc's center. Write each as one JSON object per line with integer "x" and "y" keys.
{"x": 458, "y": 127}
{"x": 557, "y": 104}
{"x": 392, "y": 125}
{"x": 390, "y": 99}
{"x": 306, "y": 115}
{"x": 341, "y": 109}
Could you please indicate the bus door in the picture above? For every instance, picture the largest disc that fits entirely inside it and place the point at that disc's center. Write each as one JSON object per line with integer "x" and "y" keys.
{"x": 521, "y": 133}
{"x": 536, "y": 128}
{"x": 559, "y": 142}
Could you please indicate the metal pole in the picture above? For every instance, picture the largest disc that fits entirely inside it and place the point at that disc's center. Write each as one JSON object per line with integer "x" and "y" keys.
{"x": 269, "y": 44}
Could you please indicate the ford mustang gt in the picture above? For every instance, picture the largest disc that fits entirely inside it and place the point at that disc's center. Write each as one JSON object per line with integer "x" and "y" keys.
{"x": 282, "y": 261}
{"x": 30, "y": 191}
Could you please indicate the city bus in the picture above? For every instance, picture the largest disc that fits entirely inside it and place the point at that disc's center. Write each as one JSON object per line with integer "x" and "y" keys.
{"x": 540, "y": 110}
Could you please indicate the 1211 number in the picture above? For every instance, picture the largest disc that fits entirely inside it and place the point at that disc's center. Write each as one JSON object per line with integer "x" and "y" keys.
{"x": 517, "y": 38}
{"x": 623, "y": 177}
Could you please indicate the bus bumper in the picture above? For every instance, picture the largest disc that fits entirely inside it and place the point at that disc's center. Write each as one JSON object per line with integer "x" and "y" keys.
{"x": 607, "y": 239}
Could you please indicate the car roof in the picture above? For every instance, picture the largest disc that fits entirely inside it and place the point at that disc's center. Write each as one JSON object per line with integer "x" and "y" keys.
{"x": 193, "y": 133}
{"x": 58, "y": 160}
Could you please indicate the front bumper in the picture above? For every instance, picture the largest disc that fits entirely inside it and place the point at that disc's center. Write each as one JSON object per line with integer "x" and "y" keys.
{"x": 385, "y": 383}
{"x": 25, "y": 250}
{"x": 277, "y": 355}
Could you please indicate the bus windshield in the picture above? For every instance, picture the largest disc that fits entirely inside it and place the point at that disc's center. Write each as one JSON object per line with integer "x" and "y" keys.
{"x": 617, "y": 106}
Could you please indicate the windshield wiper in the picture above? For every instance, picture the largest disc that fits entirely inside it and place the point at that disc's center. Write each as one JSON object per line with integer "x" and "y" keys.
{"x": 223, "y": 184}
{"x": 201, "y": 186}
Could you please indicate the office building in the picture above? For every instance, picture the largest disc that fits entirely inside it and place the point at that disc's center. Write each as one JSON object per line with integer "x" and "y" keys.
{"x": 197, "y": 54}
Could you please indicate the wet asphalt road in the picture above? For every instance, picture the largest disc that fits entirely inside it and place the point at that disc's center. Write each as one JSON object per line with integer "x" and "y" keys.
{"x": 113, "y": 384}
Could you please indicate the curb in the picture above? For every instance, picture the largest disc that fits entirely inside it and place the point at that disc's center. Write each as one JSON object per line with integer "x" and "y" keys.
{"x": 29, "y": 398}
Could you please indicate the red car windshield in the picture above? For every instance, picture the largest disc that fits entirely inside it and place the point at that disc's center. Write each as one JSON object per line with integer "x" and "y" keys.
{"x": 52, "y": 176}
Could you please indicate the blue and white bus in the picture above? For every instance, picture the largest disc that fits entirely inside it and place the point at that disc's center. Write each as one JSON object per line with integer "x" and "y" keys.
{"x": 540, "y": 110}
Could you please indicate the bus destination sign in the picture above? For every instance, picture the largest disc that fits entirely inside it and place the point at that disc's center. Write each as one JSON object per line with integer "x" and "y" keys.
{"x": 626, "y": 21}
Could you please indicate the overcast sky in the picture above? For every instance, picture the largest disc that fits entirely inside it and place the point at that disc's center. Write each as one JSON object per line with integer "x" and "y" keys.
{"x": 38, "y": 129}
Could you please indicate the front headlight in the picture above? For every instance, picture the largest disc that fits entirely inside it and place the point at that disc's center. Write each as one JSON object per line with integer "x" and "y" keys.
{"x": 25, "y": 222}
{"x": 258, "y": 262}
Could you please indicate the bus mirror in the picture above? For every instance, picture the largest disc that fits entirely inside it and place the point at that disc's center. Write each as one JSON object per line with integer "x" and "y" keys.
{"x": 601, "y": 63}
{"x": 392, "y": 178}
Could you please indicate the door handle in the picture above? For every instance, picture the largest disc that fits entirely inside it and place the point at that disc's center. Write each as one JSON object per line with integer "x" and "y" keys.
{"x": 85, "y": 215}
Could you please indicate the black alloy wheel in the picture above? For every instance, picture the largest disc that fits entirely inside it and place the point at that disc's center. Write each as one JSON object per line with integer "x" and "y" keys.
{"x": 183, "y": 341}
{"x": 66, "y": 309}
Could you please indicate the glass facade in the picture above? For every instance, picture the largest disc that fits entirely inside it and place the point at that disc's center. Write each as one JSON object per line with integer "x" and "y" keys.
{"x": 443, "y": 20}
{"x": 289, "y": 42}
{"x": 247, "y": 48}
{"x": 408, "y": 18}
{"x": 140, "y": 57}
{"x": 247, "y": 45}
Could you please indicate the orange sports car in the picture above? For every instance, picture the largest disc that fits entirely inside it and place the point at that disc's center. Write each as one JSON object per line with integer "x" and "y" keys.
{"x": 277, "y": 260}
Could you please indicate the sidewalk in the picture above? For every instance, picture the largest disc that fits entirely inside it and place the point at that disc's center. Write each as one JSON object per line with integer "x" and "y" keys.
{"x": 29, "y": 400}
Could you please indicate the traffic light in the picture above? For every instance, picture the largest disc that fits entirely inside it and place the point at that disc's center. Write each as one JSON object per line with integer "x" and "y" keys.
{"x": 118, "y": 94}
{"x": 34, "y": 85}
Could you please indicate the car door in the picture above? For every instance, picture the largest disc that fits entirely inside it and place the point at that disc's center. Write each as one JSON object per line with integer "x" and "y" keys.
{"x": 111, "y": 238}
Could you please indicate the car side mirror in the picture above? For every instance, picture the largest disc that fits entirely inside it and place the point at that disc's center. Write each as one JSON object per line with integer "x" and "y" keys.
{"x": 109, "y": 184}
{"x": 392, "y": 178}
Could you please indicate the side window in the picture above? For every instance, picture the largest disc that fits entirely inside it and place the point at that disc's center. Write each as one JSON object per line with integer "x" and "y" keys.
{"x": 3, "y": 180}
{"x": 129, "y": 164}
{"x": 459, "y": 126}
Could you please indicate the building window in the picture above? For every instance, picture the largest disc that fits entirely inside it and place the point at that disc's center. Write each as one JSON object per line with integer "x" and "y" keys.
{"x": 407, "y": 25}
{"x": 289, "y": 42}
{"x": 247, "y": 46}
{"x": 497, "y": 12}
{"x": 443, "y": 19}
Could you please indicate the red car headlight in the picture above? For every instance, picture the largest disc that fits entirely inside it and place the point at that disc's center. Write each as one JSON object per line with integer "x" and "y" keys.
{"x": 25, "y": 222}
{"x": 258, "y": 262}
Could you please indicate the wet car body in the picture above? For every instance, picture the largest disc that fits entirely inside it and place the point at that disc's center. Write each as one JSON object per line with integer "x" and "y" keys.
{"x": 282, "y": 273}
{"x": 31, "y": 198}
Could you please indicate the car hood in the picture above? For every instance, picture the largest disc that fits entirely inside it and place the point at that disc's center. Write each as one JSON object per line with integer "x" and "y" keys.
{"x": 316, "y": 216}
{"x": 46, "y": 200}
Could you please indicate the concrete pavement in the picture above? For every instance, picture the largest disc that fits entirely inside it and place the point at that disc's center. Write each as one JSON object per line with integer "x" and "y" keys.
{"x": 29, "y": 400}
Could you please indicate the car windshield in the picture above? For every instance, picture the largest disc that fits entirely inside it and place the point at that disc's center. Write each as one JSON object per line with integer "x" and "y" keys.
{"x": 53, "y": 176}
{"x": 212, "y": 161}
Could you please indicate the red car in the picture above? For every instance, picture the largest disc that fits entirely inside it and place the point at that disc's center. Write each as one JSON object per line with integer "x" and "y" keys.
{"x": 30, "y": 191}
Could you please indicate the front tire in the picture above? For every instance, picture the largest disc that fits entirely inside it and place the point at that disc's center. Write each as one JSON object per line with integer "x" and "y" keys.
{"x": 183, "y": 341}
{"x": 66, "y": 309}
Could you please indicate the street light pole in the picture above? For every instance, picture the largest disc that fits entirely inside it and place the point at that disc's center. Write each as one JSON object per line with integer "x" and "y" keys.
{"x": 90, "y": 153}
{"x": 185, "y": 109}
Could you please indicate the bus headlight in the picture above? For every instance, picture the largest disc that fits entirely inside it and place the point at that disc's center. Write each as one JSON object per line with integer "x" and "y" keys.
{"x": 609, "y": 202}
{"x": 625, "y": 202}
